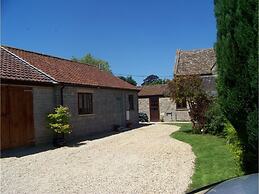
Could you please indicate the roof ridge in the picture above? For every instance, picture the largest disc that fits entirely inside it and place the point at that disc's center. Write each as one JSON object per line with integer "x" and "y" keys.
{"x": 154, "y": 85}
{"x": 37, "y": 69}
{"x": 198, "y": 49}
{"x": 47, "y": 55}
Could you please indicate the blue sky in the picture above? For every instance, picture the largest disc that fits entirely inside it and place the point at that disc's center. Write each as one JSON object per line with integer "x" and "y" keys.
{"x": 137, "y": 37}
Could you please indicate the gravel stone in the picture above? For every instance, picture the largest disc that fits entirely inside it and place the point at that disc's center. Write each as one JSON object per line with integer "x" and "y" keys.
{"x": 143, "y": 160}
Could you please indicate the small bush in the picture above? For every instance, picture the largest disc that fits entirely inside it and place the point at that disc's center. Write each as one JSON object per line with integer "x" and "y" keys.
{"x": 59, "y": 120}
{"x": 234, "y": 142}
{"x": 215, "y": 120}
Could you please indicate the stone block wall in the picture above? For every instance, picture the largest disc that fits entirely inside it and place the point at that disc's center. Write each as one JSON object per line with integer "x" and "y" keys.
{"x": 43, "y": 103}
{"x": 109, "y": 109}
{"x": 143, "y": 104}
{"x": 167, "y": 110}
{"x": 182, "y": 115}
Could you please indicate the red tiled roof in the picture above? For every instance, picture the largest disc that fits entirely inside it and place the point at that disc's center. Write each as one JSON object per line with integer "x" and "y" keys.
{"x": 14, "y": 68}
{"x": 71, "y": 72}
{"x": 195, "y": 62}
{"x": 153, "y": 90}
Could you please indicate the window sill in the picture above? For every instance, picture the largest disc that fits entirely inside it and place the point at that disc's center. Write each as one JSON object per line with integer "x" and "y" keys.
{"x": 86, "y": 115}
{"x": 182, "y": 109}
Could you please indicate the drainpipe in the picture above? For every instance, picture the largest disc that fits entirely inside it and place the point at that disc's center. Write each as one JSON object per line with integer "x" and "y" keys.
{"x": 61, "y": 95}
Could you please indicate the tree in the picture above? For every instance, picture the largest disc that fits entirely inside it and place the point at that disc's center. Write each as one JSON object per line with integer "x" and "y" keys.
{"x": 237, "y": 66}
{"x": 153, "y": 80}
{"x": 91, "y": 60}
{"x": 188, "y": 88}
{"x": 128, "y": 79}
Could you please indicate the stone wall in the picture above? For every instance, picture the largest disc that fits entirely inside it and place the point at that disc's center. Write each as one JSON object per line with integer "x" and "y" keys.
{"x": 143, "y": 104}
{"x": 182, "y": 115}
{"x": 167, "y": 109}
{"x": 109, "y": 109}
{"x": 43, "y": 103}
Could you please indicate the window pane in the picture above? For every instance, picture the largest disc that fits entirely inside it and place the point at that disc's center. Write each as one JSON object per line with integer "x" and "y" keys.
{"x": 181, "y": 105}
{"x": 131, "y": 102}
{"x": 85, "y": 105}
{"x": 91, "y": 103}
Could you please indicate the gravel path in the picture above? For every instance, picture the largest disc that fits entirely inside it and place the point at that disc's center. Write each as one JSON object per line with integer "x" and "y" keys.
{"x": 143, "y": 160}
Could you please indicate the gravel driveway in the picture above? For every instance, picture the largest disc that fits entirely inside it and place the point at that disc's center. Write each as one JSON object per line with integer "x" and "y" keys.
{"x": 143, "y": 160}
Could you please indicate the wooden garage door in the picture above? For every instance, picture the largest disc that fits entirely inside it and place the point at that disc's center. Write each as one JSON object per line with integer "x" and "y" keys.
{"x": 17, "y": 127}
{"x": 154, "y": 108}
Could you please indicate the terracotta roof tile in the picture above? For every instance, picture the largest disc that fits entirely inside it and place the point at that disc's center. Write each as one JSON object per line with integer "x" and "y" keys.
{"x": 153, "y": 90}
{"x": 71, "y": 72}
{"x": 200, "y": 61}
{"x": 14, "y": 68}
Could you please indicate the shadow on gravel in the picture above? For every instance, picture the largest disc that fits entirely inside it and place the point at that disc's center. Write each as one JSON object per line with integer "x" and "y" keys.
{"x": 24, "y": 151}
{"x": 76, "y": 142}
{"x": 83, "y": 140}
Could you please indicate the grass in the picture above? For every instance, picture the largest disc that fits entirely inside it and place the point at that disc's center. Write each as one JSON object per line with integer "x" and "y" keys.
{"x": 214, "y": 161}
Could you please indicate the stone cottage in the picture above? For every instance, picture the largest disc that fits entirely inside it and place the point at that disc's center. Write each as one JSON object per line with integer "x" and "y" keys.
{"x": 33, "y": 84}
{"x": 200, "y": 62}
{"x": 154, "y": 101}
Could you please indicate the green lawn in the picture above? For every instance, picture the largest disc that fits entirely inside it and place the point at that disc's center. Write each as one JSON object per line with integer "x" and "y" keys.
{"x": 214, "y": 161}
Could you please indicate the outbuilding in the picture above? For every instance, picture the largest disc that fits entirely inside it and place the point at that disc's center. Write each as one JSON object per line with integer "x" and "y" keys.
{"x": 156, "y": 103}
{"x": 33, "y": 84}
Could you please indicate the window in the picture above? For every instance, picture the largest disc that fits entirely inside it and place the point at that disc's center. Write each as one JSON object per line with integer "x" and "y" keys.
{"x": 85, "y": 103}
{"x": 181, "y": 105}
{"x": 131, "y": 102}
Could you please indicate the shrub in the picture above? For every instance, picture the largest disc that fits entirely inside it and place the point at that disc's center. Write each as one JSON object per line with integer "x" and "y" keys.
{"x": 234, "y": 142}
{"x": 215, "y": 120}
{"x": 59, "y": 120}
{"x": 198, "y": 108}
{"x": 252, "y": 150}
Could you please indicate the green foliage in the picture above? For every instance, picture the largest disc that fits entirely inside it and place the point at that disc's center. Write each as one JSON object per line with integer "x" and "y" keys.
{"x": 234, "y": 142}
{"x": 128, "y": 79}
{"x": 237, "y": 65}
{"x": 154, "y": 80}
{"x": 215, "y": 120}
{"x": 252, "y": 131}
{"x": 91, "y": 60}
{"x": 59, "y": 120}
{"x": 188, "y": 88}
{"x": 214, "y": 161}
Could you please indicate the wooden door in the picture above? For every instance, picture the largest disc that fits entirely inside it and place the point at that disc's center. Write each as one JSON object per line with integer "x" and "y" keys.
{"x": 17, "y": 128}
{"x": 154, "y": 109}
{"x": 5, "y": 128}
